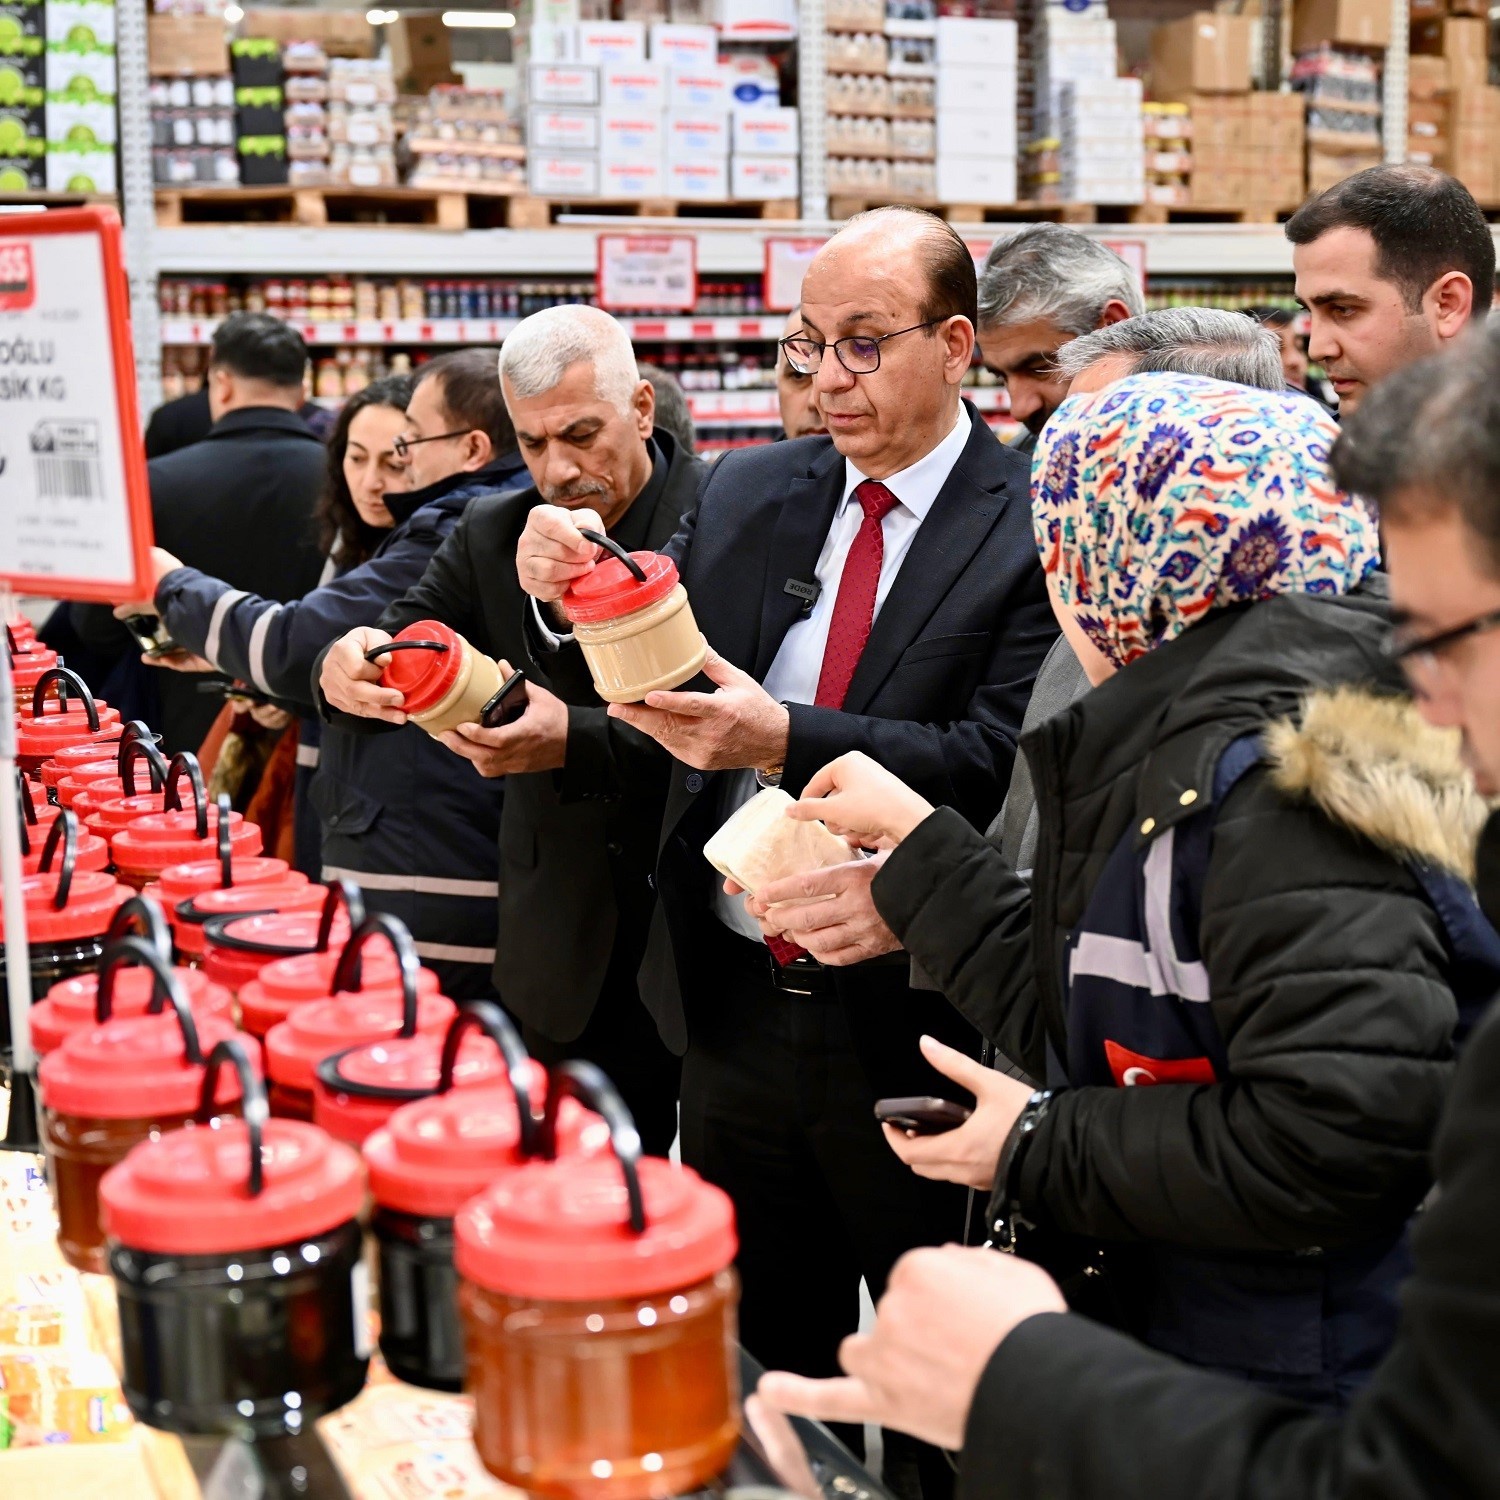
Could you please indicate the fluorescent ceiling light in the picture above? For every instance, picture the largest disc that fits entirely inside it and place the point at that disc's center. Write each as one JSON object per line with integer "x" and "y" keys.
{"x": 502, "y": 19}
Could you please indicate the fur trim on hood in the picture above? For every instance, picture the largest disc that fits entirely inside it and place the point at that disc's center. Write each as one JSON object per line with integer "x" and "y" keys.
{"x": 1375, "y": 765}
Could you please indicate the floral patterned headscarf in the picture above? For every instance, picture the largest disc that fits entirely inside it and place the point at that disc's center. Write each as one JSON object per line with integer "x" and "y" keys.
{"x": 1163, "y": 497}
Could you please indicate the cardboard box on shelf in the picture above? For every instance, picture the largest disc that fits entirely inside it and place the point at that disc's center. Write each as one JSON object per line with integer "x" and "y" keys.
{"x": 1222, "y": 120}
{"x": 1340, "y": 23}
{"x": 563, "y": 83}
{"x": 82, "y": 75}
{"x": 970, "y": 43}
{"x": 23, "y": 174}
{"x": 1463, "y": 41}
{"x": 630, "y": 133}
{"x": 700, "y": 178}
{"x": 190, "y": 45}
{"x": 1474, "y": 106}
{"x": 86, "y": 25}
{"x": 1278, "y": 122}
{"x": 1203, "y": 53}
{"x": 605, "y": 42}
{"x": 639, "y": 177}
{"x": 562, "y": 129}
{"x": 765, "y": 132}
{"x": 1427, "y": 77}
{"x": 684, "y": 46}
{"x": 700, "y": 88}
{"x": 748, "y": 20}
{"x": 985, "y": 180}
{"x": 1325, "y": 168}
{"x": 342, "y": 33}
{"x": 80, "y": 171}
{"x": 634, "y": 86}
{"x": 421, "y": 50}
{"x": 697, "y": 137}
{"x": 973, "y": 88}
{"x": 970, "y": 132}
{"x": 762, "y": 178}
{"x": 552, "y": 174}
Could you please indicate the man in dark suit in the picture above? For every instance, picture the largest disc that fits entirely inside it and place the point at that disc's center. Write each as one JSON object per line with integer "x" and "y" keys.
{"x": 876, "y": 590}
{"x": 576, "y": 847}
{"x": 239, "y": 504}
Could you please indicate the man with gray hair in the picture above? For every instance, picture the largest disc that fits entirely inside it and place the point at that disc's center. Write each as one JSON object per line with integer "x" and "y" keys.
{"x": 1178, "y": 340}
{"x": 1039, "y": 290}
{"x": 575, "y": 854}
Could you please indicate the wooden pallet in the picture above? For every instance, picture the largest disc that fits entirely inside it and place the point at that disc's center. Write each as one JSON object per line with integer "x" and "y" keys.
{"x": 977, "y": 213}
{"x": 538, "y": 213}
{"x": 1197, "y": 213}
{"x": 437, "y": 208}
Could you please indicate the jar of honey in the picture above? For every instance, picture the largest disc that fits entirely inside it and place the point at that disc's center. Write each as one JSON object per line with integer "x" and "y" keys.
{"x": 235, "y": 1252}
{"x": 105, "y": 770}
{"x": 73, "y": 721}
{"x": 425, "y": 1162}
{"x": 105, "y": 747}
{"x": 633, "y": 623}
{"x": 90, "y": 852}
{"x": 352, "y": 1014}
{"x": 444, "y": 681}
{"x": 599, "y": 1300}
{"x": 306, "y": 919}
{"x": 150, "y": 844}
{"x": 115, "y": 1084}
{"x": 199, "y": 889}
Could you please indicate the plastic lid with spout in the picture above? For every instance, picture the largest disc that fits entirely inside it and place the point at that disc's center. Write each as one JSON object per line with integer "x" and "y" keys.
{"x": 423, "y": 663}
{"x": 137, "y": 1067}
{"x": 239, "y": 1185}
{"x": 614, "y": 587}
{"x": 593, "y": 1228}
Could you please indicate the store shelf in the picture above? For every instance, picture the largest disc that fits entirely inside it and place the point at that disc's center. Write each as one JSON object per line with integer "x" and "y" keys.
{"x": 414, "y": 333}
{"x": 754, "y": 408}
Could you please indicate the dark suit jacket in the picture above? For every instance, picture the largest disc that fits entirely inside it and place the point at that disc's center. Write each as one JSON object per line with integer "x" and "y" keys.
{"x": 237, "y": 506}
{"x": 576, "y": 845}
{"x": 938, "y": 695}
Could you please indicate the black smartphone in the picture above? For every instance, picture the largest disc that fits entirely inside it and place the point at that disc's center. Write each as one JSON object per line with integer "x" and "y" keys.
{"x": 507, "y": 705}
{"x": 921, "y": 1114}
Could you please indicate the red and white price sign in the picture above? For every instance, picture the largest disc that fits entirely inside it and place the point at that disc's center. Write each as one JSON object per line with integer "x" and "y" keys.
{"x": 75, "y": 509}
{"x": 648, "y": 272}
{"x": 787, "y": 261}
{"x": 1133, "y": 253}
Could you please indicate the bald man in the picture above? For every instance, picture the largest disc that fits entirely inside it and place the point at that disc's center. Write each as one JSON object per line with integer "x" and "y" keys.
{"x": 876, "y": 589}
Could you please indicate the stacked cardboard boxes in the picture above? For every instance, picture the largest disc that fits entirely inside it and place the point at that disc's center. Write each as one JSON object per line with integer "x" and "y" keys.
{"x": 1102, "y": 152}
{"x": 23, "y": 117}
{"x": 976, "y": 110}
{"x": 1070, "y": 43}
{"x": 81, "y": 84}
{"x": 192, "y": 102}
{"x": 1342, "y": 89}
{"x": 1278, "y": 143}
{"x": 1167, "y": 129}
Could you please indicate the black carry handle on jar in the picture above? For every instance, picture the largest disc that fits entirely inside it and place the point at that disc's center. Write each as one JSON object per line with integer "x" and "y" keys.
{"x": 486, "y": 1016}
{"x": 349, "y": 974}
{"x": 253, "y": 1107}
{"x": 375, "y": 651}
{"x": 226, "y": 850}
{"x": 138, "y": 743}
{"x": 340, "y": 893}
{"x": 613, "y": 547}
{"x": 165, "y": 990}
{"x": 64, "y": 830}
{"x": 27, "y": 807}
{"x": 589, "y": 1085}
{"x": 65, "y": 679}
{"x": 185, "y": 763}
{"x": 147, "y": 919}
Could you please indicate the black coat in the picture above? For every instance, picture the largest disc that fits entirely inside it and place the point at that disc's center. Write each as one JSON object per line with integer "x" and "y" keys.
{"x": 1067, "y": 1410}
{"x": 575, "y": 851}
{"x": 238, "y": 506}
{"x": 938, "y": 695}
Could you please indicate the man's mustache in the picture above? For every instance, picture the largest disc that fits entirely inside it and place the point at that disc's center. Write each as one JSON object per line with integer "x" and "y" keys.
{"x": 573, "y": 492}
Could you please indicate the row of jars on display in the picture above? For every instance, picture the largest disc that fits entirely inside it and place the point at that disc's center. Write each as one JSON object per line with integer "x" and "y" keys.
{"x": 594, "y": 1295}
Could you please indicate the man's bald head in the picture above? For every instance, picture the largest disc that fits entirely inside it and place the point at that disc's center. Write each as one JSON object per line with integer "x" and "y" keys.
{"x": 901, "y": 233}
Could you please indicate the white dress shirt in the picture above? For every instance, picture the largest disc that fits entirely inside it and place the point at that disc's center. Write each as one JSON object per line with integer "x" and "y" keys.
{"x": 793, "y": 677}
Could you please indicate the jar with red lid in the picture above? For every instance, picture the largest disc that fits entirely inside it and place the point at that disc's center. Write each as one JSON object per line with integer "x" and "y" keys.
{"x": 36, "y": 824}
{"x": 443, "y": 680}
{"x": 351, "y": 1014}
{"x": 235, "y": 1251}
{"x": 88, "y": 760}
{"x": 67, "y": 913}
{"x": 150, "y": 844}
{"x": 70, "y": 721}
{"x": 424, "y": 1164}
{"x": 26, "y": 667}
{"x": 108, "y": 809}
{"x": 633, "y": 623}
{"x": 120, "y": 1082}
{"x": 252, "y": 885}
{"x": 598, "y": 1299}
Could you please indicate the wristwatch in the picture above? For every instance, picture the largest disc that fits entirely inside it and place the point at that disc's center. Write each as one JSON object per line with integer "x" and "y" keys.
{"x": 1009, "y": 1220}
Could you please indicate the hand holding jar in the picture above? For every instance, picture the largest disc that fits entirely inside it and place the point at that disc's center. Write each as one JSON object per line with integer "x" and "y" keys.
{"x": 553, "y": 551}
{"x": 537, "y": 741}
{"x": 353, "y": 685}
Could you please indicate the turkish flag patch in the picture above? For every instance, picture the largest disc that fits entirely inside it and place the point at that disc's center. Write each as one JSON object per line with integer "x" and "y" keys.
{"x": 1136, "y": 1070}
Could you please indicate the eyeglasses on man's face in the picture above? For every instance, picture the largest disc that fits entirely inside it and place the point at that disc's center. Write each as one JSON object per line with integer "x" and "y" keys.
{"x": 859, "y": 353}
{"x": 1423, "y": 655}
{"x": 404, "y": 445}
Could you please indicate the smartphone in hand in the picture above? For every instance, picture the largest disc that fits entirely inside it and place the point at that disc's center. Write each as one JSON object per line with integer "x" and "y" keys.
{"x": 921, "y": 1114}
{"x": 507, "y": 705}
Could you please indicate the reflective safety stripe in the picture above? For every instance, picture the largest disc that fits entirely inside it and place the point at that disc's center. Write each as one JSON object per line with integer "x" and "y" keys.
{"x": 258, "y": 647}
{"x": 455, "y": 954}
{"x": 420, "y": 885}
{"x": 308, "y": 755}
{"x": 222, "y": 605}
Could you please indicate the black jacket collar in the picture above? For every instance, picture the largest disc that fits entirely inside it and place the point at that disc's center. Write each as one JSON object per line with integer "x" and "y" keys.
{"x": 472, "y": 481}
{"x": 260, "y": 419}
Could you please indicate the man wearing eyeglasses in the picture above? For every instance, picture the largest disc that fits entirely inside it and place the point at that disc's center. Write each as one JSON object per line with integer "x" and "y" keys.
{"x": 795, "y": 393}
{"x": 874, "y": 589}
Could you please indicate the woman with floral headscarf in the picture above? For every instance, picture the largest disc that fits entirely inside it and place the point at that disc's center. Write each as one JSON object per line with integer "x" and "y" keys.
{"x": 1239, "y": 967}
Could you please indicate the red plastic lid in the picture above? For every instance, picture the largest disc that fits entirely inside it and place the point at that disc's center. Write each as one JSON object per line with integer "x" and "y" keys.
{"x": 295, "y": 1046}
{"x": 95, "y": 776}
{"x": 382, "y": 1076}
{"x": 435, "y": 1154}
{"x": 26, "y": 669}
{"x": 284, "y": 984}
{"x": 93, "y": 852}
{"x": 290, "y": 893}
{"x": 184, "y": 881}
{"x": 99, "y": 749}
{"x": 93, "y": 899}
{"x": 133, "y": 1068}
{"x": 264, "y": 940}
{"x": 187, "y": 1193}
{"x": 560, "y": 1231}
{"x": 51, "y": 731}
{"x": 107, "y": 812}
{"x": 423, "y": 677}
{"x": 612, "y": 590}
{"x": 69, "y": 1005}
{"x": 150, "y": 844}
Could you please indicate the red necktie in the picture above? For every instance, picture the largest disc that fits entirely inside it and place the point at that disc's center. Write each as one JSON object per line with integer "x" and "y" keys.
{"x": 854, "y": 609}
{"x": 849, "y": 629}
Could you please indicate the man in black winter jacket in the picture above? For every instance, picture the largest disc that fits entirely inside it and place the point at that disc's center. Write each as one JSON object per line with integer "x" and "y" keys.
{"x": 976, "y": 1350}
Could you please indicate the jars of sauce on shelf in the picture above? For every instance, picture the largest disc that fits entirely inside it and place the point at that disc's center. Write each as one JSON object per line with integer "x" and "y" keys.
{"x": 445, "y": 682}
{"x": 114, "y": 1085}
{"x": 599, "y": 1309}
{"x": 633, "y": 623}
{"x": 235, "y": 1252}
{"x": 352, "y": 1014}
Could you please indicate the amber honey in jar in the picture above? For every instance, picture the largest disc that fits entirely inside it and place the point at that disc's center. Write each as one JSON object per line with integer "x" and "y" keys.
{"x": 633, "y": 623}
{"x": 442, "y": 679}
{"x": 599, "y": 1302}
{"x": 121, "y": 1082}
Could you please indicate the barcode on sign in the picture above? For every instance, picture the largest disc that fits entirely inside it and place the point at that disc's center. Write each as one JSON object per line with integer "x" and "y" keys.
{"x": 61, "y": 477}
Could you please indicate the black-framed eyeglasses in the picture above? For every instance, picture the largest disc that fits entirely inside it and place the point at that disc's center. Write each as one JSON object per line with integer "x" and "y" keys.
{"x": 1419, "y": 654}
{"x": 859, "y": 353}
{"x": 404, "y": 445}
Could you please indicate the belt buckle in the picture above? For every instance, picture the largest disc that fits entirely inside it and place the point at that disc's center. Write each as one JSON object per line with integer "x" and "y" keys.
{"x": 783, "y": 974}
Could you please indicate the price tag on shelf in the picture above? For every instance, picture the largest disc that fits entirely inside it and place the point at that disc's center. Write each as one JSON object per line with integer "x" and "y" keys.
{"x": 641, "y": 272}
{"x": 787, "y": 261}
{"x": 75, "y": 509}
{"x": 1133, "y": 253}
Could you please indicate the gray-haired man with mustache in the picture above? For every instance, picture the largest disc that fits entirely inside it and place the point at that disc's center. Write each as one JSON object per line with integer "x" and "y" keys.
{"x": 577, "y": 846}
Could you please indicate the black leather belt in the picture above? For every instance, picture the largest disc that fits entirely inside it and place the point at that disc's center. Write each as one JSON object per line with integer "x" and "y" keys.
{"x": 804, "y": 976}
